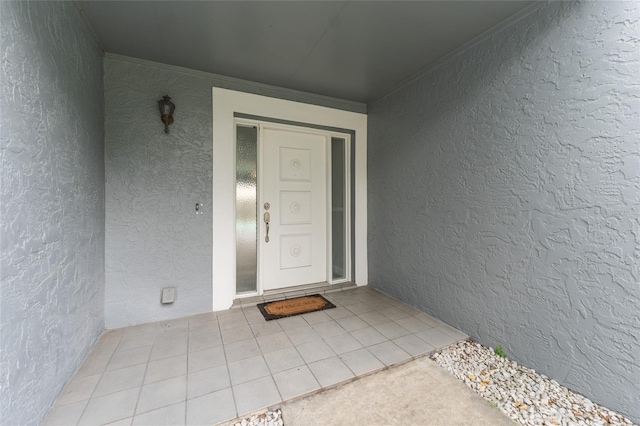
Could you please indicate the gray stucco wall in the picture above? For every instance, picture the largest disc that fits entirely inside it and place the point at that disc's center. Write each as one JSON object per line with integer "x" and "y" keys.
{"x": 52, "y": 203}
{"x": 154, "y": 239}
{"x": 504, "y": 195}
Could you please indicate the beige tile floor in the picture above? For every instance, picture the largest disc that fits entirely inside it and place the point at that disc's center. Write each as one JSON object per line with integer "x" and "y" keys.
{"x": 213, "y": 367}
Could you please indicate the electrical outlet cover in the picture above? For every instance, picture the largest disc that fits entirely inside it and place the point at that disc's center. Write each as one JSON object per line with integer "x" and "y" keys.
{"x": 168, "y": 295}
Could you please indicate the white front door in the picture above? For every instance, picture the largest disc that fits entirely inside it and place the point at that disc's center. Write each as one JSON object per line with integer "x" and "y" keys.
{"x": 294, "y": 187}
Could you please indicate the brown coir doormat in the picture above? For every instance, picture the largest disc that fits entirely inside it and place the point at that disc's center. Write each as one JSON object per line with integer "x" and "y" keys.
{"x": 291, "y": 307}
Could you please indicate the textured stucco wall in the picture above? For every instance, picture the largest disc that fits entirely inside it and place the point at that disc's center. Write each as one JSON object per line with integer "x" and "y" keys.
{"x": 154, "y": 239}
{"x": 504, "y": 195}
{"x": 52, "y": 203}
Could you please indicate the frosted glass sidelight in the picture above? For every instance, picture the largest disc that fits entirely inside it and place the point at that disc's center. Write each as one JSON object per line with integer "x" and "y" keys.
{"x": 246, "y": 209}
{"x": 338, "y": 209}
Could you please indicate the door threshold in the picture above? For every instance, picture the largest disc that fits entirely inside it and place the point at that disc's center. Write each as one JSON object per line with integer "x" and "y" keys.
{"x": 291, "y": 292}
{"x": 298, "y": 288}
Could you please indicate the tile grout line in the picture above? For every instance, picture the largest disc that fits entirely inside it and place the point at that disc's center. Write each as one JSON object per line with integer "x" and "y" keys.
{"x": 324, "y": 341}
{"x": 186, "y": 391}
{"x": 265, "y": 361}
{"x": 306, "y": 364}
{"x": 121, "y": 390}
{"x": 369, "y": 299}
{"x": 231, "y": 386}
{"x": 146, "y": 368}
{"x": 226, "y": 361}
{"x": 101, "y": 376}
{"x": 355, "y": 375}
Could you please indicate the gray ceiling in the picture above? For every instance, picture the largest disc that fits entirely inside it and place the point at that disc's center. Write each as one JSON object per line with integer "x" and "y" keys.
{"x": 354, "y": 50}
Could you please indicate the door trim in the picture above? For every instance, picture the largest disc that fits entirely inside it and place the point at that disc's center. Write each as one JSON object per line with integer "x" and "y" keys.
{"x": 225, "y": 103}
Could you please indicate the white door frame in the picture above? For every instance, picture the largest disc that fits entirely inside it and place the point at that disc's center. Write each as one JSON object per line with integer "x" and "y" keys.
{"x": 225, "y": 104}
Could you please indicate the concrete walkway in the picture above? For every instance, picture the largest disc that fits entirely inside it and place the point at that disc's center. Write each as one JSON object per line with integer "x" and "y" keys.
{"x": 416, "y": 393}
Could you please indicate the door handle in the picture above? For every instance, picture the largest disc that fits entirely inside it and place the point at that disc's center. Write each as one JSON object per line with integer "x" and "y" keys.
{"x": 267, "y": 219}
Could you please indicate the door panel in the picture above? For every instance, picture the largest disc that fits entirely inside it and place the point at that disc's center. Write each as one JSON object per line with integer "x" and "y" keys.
{"x": 294, "y": 184}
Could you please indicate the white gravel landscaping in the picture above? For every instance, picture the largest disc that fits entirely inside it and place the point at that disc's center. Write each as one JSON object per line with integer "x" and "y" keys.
{"x": 519, "y": 392}
{"x": 269, "y": 418}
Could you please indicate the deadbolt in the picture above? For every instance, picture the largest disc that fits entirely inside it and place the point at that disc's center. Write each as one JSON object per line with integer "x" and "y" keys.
{"x": 267, "y": 206}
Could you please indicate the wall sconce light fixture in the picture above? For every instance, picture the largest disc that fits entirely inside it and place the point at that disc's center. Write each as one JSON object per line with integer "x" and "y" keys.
{"x": 166, "y": 112}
